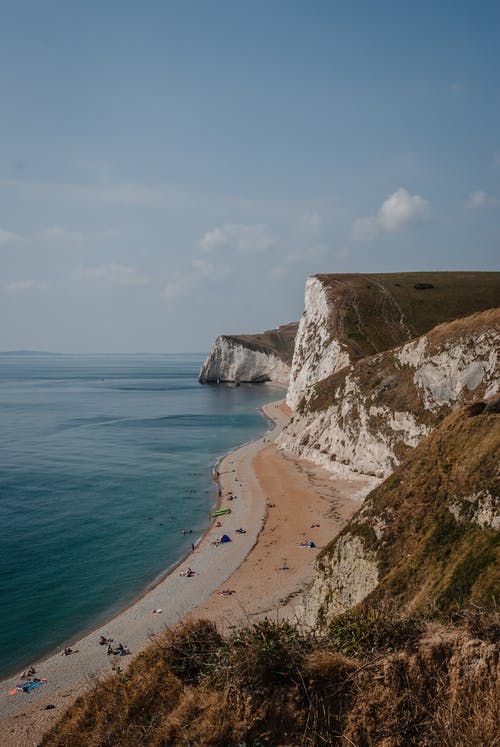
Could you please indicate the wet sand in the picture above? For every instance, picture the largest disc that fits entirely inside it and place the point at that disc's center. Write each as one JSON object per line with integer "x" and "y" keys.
{"x": 251, "y": 566}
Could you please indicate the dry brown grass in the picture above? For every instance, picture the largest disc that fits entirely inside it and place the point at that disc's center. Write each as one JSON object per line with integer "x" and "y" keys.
{"x": 279, "y": 341}
{"x": 376, "y": 312}
{"x": 438, "y": 689}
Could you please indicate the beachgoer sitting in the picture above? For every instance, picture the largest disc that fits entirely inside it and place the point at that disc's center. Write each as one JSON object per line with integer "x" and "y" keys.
{"x": 109, "y": 650}
{"x": 68, "y": 651}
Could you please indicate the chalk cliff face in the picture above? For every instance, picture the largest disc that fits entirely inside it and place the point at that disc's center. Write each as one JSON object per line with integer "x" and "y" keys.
{"x": 230, "y": 361}
{"x": 367, "y": 416}
{"x": 349, "y": 317}
{"x": 251, "y": 358}
{"x": 428, "y": 533}
{"x": 317, "y": 354}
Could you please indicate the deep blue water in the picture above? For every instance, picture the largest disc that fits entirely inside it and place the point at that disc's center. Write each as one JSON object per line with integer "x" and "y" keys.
{"x": 103, "y": 461}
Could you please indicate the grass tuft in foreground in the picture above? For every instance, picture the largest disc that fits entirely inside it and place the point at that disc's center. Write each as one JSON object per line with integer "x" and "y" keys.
{"x": 371, "y": 680}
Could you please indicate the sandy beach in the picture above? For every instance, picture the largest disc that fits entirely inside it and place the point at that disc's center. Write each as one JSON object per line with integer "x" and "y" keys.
{"x": 281, "y": 502}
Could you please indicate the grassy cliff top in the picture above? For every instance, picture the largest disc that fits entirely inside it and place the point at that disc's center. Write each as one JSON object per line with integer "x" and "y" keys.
{"x": 376, "y": 312}
{"x": 279, "y": 341}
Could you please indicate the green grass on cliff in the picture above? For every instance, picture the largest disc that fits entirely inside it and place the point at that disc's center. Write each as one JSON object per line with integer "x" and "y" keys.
{"x": 376, "y": 312}
{"x": 436, "y": 549}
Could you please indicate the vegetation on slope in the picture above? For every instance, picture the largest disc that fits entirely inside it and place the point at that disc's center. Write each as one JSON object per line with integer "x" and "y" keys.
{"x": 279, "y": 341}
{"x": 387, "y": 384}
{"x": 368, "y": 681}
{"x": 376, "y": 312}
{"x": 433, "y": 525}
{"x": 406, "y": 667}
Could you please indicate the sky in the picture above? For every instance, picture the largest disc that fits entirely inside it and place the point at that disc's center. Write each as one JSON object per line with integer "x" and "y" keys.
{"x": 174, "y": 170}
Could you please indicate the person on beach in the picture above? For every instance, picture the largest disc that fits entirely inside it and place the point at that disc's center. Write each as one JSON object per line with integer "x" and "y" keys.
{"x": 67, "y": 651}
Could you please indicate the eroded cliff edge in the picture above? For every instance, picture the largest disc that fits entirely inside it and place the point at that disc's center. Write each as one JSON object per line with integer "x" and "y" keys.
{"x": 367, "y": 416}
{"x": 426, "y": 537}
{"x": 353, "y": 316}
{"x": 251, "y": 358}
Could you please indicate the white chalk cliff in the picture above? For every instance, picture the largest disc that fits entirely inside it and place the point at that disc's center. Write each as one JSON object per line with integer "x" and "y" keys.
{"x": 317, "y": 353}
{"x": 367, "y": 416}
{"x": 231, "y": 361}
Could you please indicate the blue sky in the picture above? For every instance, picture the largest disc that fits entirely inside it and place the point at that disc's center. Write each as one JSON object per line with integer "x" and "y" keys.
{"x": 171, "y": 171}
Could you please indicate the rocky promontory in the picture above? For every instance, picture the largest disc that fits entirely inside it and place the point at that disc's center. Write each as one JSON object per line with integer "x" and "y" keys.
{"x": 251, "y": 358}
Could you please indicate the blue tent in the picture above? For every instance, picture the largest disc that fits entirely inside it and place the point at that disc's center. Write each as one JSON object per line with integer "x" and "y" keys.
{"x": 225, "y": 538}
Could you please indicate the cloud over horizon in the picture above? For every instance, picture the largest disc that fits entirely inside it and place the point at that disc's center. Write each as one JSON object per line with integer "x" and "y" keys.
{"x": 396, "y": 212}
{"x": 7, "y": 237}
{"x": 479, "y": 198}
{"x": 113, "y": 274}
{"x": 59, "y": 233}
{"x": 243, "y": 238}
{"x": 17, "y": 286}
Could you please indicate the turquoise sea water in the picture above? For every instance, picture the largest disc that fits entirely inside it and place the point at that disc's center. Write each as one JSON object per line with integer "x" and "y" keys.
{"x": 103, "y": 461}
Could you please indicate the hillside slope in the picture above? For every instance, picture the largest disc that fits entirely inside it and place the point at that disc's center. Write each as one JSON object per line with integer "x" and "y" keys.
{"x": 428, "y": 535}
{"x": 365, "y": 417}
{"x": 251, "y": 358}
{"x": 348, "y": 317}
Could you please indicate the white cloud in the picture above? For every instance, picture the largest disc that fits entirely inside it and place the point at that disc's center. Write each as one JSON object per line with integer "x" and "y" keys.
{"x": 113, "y": 274}
{"x": 400, "y": 209}
{"x": 243, "y": 238}
{"x": 311, "y": 223}
{"x": 479, "y": 198}
{"x": 397, "y": 211}
{"x": 17, "y": 286}
{"x": 7, "y": 237}
{"x": 59, "y": 233}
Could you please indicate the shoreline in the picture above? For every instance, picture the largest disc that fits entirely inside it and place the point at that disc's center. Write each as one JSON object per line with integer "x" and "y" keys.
{"x": 108, "y": 619}
{"x": 133, "y": 625}
{"x": 281, "y": 501}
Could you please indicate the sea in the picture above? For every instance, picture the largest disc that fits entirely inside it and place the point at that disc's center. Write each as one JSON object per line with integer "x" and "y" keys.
{"x": 105, "y": 481}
